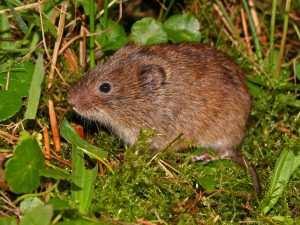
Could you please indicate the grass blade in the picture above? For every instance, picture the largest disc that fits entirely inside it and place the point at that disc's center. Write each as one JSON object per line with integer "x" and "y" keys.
{"x": 285, "y": 166}
{"x": 272, "y": 31}
{"x": 283, "y": 40}
{"x": 92, "y": 30}
{"x": 258, "y": 50}
{"x": 35, "y": 88}
{"x": 84, "y": 179}
{"x": 72, "y": 137}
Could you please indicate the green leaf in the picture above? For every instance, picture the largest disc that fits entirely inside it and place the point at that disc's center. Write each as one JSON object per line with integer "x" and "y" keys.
{"x": 72, "y": 137}
{"x": 8, "y": 221}
{"x": 59, "y": 204}
{"x": 10, "y": 104}
{"x": 5, "y": 36}
{"x": 182, "y": 28}
{"x": 113, "y": 36}
{"x": 14, "y": 84}
{"x": 83, "y": 178}
{"x": 22, "y": 170}
{"x": 35, "y": 89}
{"x": 40, "y": 215}
{"x": 18, "y": 78}
{"x": 285, "y": 166}
{"x": 148, "y": 31}
{"x": 55, "y": 173}
{"x": 29, "y": 203}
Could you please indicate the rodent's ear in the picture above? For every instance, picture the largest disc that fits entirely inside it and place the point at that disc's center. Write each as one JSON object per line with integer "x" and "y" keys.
{"x": 152, "y": 76}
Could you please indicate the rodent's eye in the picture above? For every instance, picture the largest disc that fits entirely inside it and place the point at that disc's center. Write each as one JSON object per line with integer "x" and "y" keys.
{"x": 105, "y": 87}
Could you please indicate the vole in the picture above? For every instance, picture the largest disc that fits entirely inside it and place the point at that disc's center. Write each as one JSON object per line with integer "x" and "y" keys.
{"x": 189, "y": 89}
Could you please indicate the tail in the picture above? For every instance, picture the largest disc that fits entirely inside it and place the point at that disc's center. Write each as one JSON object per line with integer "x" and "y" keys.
{"x": 243, "y": 162}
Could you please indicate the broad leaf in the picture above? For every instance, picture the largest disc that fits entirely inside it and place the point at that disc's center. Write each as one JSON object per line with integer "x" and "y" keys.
{"x": 14, "y": 84}
{"x": 113, "y": 36}
{"x": 17, "y": 79}
{"x": 10, "y": 104}
{"x": 183, "y": 28}
{"x": 148, "y": 31}
{"x": 59, "y": 204}
{"x": 29, "y": 203}
{"x": 22, "y": 170}
{"x": 8, "y": 221}
{"x": 40, "y": 215}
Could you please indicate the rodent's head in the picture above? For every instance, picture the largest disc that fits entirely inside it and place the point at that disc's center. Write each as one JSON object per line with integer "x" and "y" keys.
{"x": 126, "y": 86}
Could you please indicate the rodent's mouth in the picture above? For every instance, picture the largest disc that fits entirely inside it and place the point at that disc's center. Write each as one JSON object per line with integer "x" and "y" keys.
{"x": 77, "y": 111}
{"x": 85, "y": 114}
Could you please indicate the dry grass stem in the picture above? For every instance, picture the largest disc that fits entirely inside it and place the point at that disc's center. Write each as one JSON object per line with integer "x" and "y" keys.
{"x": 82, "y": 47}
{"x": 216, "y": 7}
{"x": 10, "y": 139}
{"x": 246, "y": 33}
{"x": 255, "y": 17}
{"x": 23, "y": 7}
{"x": 60, "y": 30}
{"x": 43, "y": 32}
{"x": 47, "y": 152}
{"x": 54, "y": 127}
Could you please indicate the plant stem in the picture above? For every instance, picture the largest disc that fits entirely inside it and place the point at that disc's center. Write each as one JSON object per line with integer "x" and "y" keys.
{"x": 258, "y": 51}
{"x": 92, "y": 30}
{"x": 105, "y": 15}
{"x": 283, "y": 40}
{"x": 168, "y": 9}
{"x": 272, "y": 32}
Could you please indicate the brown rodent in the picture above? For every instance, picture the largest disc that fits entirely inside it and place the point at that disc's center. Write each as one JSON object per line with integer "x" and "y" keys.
{"x": 189, "y": 89}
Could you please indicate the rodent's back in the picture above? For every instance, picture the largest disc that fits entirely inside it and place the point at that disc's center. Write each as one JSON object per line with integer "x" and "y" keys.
{"x": 206, "y": 97}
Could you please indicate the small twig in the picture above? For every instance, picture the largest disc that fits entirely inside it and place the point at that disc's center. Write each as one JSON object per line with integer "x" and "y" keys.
{"x": 42, "y": 28}
{"x": 23, "y": 7}
{"x": 227, "y": 25}
{"x": 166, "y": 148}
{"x": 68, "y": 43}
{"x": 80, "y": 36}
{"x": 54, "y": 127}
{"x": 246, "y": 33}
{"x": 47, "y": 152}
{"x": 120, "y": 11}
{"x": 82, "y": 47}
{"x": 110, "y": 4}
{"x": 255, "y": 17}
{"x": 60, "y": 31}
{"x": 8, "y": 137}
{"x": 60, "y": 160}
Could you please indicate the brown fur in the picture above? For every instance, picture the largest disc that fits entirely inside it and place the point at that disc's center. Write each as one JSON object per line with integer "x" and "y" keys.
{"x": 191, "y": 89}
